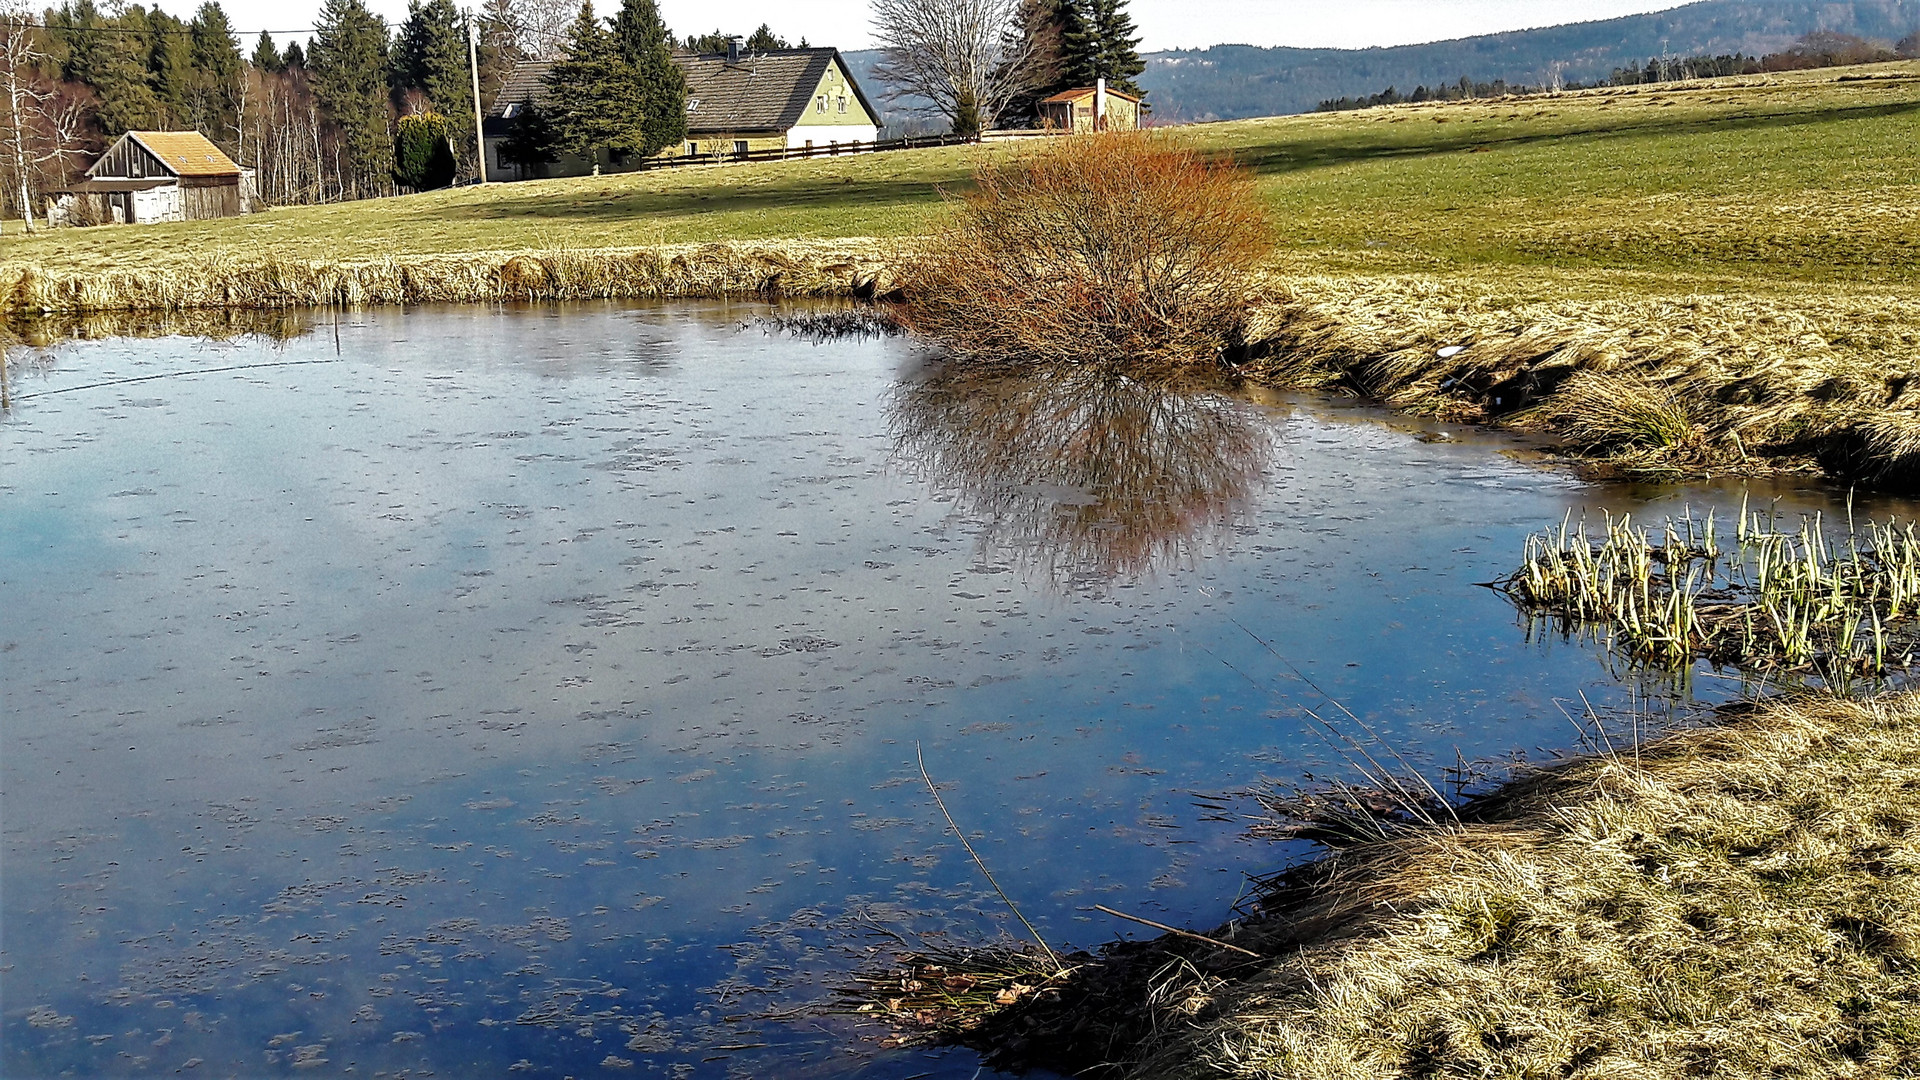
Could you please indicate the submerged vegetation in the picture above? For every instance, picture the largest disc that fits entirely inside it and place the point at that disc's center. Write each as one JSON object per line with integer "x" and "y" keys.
{"x": 1735, "y": 900}
{"x": 1777, "y": 599}
{"x": 1126, "y": 250}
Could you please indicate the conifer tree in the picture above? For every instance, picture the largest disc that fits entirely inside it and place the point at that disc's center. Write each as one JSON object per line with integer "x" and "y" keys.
{"x": 169, "y": 62}
{"x": 213, "y": 91}
{"x": 646, "y": 47}
{"x": 266, "y": 55}
{"x": 111, "y": 56}
{"x": 294, "y": 57}
{"x": 350, "y": 67}
{"x": 765, "y": 40}
{"x": 594, "y": 99}
{"x": 1099, "y": 41}
{"x": 530, "y": 139}
{"x": 430, "y": 55}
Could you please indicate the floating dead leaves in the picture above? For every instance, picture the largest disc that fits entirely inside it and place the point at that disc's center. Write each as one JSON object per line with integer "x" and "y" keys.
{"x": 928, "y": 997}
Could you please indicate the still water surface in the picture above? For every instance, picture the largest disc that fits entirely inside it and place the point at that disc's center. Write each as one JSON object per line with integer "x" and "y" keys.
{"x": 536, "y": 692}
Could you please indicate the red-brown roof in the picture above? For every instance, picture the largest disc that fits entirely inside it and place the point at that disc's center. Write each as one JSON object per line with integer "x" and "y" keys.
{"x": 1084, "y": 92}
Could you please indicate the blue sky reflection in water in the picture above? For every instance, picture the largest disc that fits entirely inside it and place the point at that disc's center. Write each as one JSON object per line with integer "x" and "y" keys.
{"x": 538, "y": 689}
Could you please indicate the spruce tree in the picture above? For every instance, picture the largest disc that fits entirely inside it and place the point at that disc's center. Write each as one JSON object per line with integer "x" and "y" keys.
{"x": 350, "y": 69}
{"x": 294, "y": 57}
{"x": 169, "y": 63}
{"x": 266, "y": 55}
{"x": 430, "y": 55}
{"x": 111, "y": 57}
{"x": 1119, "y": 58}
{"x": 530, "y": 139}
{"x": 594, "y": 99}
{"x": 1098, "y": 41}
{"x": 214, "y": 89}
{"x": 765, "y": 40}
{"x": 646, "y": 46}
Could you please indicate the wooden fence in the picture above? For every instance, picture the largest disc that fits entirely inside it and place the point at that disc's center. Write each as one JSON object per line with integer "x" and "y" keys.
{"x": 789, "y": 153}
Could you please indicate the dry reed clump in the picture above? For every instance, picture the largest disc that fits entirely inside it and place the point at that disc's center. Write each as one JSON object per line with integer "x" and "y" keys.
{"x": 1632, "y": 421}
{"x": 1120, "y": 249}
{"x": 788, "y": 269}
{"x": 1735, "y": 901}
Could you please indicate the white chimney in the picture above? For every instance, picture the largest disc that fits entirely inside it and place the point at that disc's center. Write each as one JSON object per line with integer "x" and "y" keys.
{"x": 1100, "y": 104}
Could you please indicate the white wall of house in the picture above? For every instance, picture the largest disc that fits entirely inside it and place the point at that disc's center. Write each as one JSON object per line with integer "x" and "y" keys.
{"x": 828, "y": 134}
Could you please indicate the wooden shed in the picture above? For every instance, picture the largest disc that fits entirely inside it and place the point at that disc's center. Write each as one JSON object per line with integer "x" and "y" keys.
{"x": 1075, "y": 110}
{"x": 151, "y": 176}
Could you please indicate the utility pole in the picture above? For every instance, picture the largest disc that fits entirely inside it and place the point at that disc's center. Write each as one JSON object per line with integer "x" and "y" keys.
{"x": 473, "y": 65}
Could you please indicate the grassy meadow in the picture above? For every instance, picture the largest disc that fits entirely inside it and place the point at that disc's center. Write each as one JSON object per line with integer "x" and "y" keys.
{"x": 1791, "y": 178}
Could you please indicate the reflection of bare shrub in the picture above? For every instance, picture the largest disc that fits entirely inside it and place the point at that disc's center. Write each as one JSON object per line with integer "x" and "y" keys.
{"x": 1083, "y": 474}
{"x": 1119, "y": 248}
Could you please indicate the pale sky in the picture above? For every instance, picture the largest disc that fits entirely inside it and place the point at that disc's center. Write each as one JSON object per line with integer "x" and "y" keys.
{"x": 1165, "y": 24}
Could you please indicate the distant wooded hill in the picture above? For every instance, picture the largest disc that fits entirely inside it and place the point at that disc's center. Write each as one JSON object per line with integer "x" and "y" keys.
{"x": 1227, "y": 82}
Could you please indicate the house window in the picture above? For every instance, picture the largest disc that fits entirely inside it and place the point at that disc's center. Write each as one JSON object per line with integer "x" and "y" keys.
{"x": 740, "y": 146}
{"x": 843, "y": 103}
{"x": 693, "y": 149}
{"x": 820, "y": 103}
{"x": 508, "y": 113}
{"x": 692, "y": 104}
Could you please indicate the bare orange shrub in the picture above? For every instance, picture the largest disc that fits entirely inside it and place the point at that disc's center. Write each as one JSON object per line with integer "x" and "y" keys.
{"x": 1120, "y": 249}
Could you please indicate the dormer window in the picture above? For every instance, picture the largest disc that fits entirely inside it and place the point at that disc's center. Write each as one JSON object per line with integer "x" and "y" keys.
{"x": 692, "y": 104}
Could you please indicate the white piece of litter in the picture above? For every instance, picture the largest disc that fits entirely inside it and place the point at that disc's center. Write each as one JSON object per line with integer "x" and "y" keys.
{"x": 1451, "y": 351}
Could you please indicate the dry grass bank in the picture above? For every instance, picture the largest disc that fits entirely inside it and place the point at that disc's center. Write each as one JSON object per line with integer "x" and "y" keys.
{"x": 1738, "y": 901}
{"x": 833, "y": 268}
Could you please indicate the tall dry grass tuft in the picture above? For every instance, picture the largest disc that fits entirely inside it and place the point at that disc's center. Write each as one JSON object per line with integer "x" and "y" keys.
{"x": 1633, "y": 420}
{"x": 1122, "y": 249}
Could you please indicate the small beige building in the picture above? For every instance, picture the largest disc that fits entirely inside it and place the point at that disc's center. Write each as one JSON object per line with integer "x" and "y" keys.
{"x": 737, "y": 102}
{"x": 1073, "y": 110}
{"x": 153, "y": 176}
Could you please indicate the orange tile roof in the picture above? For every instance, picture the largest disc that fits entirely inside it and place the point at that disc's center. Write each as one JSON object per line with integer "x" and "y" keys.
{"x": 186, "y": 153}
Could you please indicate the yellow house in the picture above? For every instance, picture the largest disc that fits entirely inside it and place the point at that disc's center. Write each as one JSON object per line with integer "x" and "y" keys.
{"x": 736, "y": 102}
{"x": 1073, "y": 110}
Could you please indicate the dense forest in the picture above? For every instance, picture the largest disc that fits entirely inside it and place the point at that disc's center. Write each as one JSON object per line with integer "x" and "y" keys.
{"x": 1230, "y": 81}
{"x": 1820, "y": 49}
{"x": 363, "y": 108}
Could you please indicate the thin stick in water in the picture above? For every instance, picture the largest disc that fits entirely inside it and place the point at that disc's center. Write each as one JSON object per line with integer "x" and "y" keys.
{"x": 955, "y": 826}
{"x": 1216, "y": 943}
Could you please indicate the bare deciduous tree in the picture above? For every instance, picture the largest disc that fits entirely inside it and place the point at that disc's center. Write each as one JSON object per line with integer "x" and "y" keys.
{"x": 967, "y": 58}
{"x": 539, "y": 26}
{"x": 45, "y": 122}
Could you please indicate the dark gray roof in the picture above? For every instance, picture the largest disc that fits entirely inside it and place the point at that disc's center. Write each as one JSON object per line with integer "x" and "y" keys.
{"x": 766, "y": 91}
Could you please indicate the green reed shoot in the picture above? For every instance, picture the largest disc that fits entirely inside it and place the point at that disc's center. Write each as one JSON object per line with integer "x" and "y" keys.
{"x": 1781, "y": 599}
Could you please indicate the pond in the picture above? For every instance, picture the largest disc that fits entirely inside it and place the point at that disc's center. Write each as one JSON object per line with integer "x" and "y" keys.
{"x": 538, "y": 691}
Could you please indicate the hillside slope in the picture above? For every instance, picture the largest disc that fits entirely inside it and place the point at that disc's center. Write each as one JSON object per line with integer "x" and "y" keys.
{"x": 1232, "y": 81}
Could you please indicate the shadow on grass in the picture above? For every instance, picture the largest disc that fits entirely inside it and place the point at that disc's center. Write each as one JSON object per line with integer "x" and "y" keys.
{"x": 1299, "y": 155}
{"x": 786, "y": 195}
